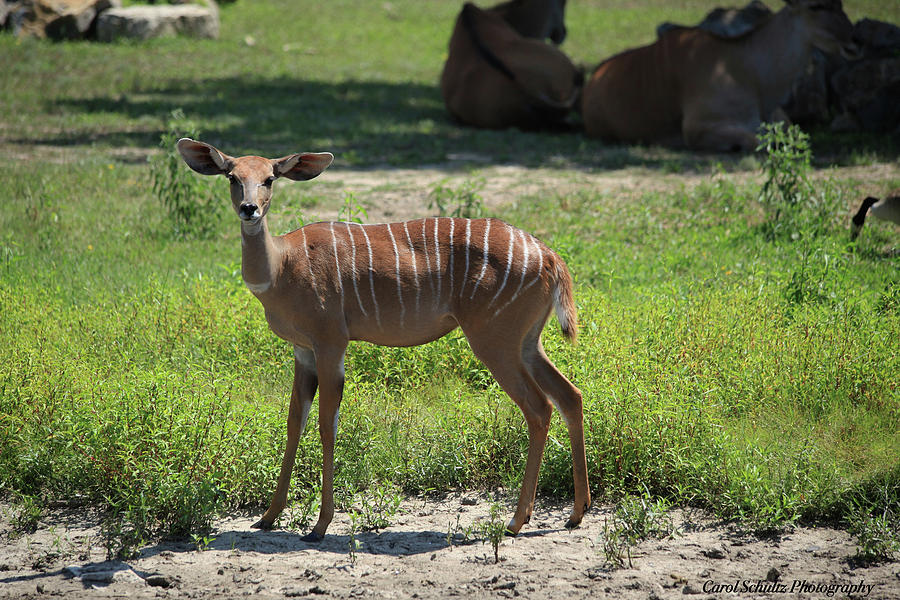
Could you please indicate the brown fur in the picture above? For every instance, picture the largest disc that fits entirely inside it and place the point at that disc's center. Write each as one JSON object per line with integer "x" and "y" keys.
{"x": 692, "y": 88}
{"x": 497, "y": 77}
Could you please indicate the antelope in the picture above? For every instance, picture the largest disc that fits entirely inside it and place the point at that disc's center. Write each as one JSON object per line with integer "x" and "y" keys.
{"x": 695, "y": 89}
{"x": 401, "y": 284}
{"x": 500, "y": 73}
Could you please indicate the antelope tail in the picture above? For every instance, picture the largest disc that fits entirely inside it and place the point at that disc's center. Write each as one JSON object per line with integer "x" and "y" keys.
{"x": 564, "y": 302}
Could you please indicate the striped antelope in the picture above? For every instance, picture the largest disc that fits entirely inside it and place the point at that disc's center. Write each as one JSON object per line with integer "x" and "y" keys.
{"x": 401, "y": 284}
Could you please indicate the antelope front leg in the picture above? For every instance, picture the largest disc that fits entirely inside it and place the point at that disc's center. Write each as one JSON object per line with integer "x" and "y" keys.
{"x": 331, "y": 388}
{"x": 305, "y": 382}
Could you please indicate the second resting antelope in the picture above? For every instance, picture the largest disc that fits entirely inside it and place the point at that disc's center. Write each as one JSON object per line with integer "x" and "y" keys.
{"x": 401, "y": 284}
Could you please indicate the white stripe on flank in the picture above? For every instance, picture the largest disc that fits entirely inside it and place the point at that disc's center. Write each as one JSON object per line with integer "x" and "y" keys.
{"x": 521, "y": 290}
{"x": 353, "y": 274}
{"x": 312, "y": 276}
{"x": 371, "y": 275}
{"x": 258, "y": 288}
{"x": 437, "y": 267}
{"x": 337, "y": 265}
{"x": 509, "y": 254}
{"x": 397, "y": 268}
{"x": 484, "y": 253}
{"x": 450, "y": 250}
{"x": 468, "y": 252}
{"x": 427, "y": 259}
{"x": 524, "y": 262}
{"x": 412, "y": 253}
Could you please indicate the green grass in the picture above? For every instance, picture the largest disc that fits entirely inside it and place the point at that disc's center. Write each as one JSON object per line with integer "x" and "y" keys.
{"x": 721, "y": 367}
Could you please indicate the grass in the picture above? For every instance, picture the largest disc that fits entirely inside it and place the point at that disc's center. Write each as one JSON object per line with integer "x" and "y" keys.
{"x": 722, "y": 366}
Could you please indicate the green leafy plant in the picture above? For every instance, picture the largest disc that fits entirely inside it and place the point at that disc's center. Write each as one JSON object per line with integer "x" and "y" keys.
{"x": 493, "y": 529}
{"x": 300, "y": 513}
{"x": 353, "y": 544}
{"x": 378, "y": 506}
{"x": 464, "y": 201}
{"x": 201, "y": 541}
{"x": 189, "y": 200}
{"x": 352, "y": 210}
{"x": 878, "y": 535}
{"x": 786, "y": 168}
{"x": 636, "y": 518}
{"x": 26, "y": 514}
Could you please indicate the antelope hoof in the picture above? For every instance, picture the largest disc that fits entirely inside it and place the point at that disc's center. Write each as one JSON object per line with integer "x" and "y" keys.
{"x": 262, "y": 524}
{"x": 575, "y": 520}
{"x": 512, "y": 530}
{"x": 312, "y": 537}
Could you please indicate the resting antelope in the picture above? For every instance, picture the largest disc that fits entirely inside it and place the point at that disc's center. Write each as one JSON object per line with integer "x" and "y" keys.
{"x": 500, "y": 73}
{"x": 692, "y": 88}
{"x": 401, "y": 284}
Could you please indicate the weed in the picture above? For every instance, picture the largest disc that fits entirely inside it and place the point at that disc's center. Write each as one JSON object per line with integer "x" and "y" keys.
{"x": 190, "y": 201}
{"x": 353, "y": 544}
{"x": 352, "y": 211}
{"x": 378, "y": 506}
{"x": 124, "y": 533}
{"x": 464, "y": 201}
{"x": 26, "y": 514}
{"x": 493, "y": 529}
{"x": 636, "y": 518}
{"x": 878, "y": 535}
{"x": 300, "y": 514}
{"x": 786, "y": 168}
{"x": 202, "y": 542}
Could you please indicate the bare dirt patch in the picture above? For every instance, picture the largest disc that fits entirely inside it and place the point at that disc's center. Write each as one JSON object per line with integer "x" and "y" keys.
{"x": 394, "y": 194}
{"x": 424, "y": 555}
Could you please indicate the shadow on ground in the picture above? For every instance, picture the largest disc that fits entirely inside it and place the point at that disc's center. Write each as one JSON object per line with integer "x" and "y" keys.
{"x": 367, "y": 123}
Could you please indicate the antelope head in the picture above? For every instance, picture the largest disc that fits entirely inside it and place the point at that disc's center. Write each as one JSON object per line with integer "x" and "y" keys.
{"x": 251, "y": 177}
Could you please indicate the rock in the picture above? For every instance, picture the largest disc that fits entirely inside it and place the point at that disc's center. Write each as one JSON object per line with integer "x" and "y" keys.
{"x": 862, "y": 92}
{"x": 876, "y": 37}
{"x": 867, "y": 90}
{"x": 773, "y": 575}
{"x": 715, "y": 553}
{"x": 6, "y": 9}
{"x": 58, "y": 19}
{"x": 159, "y": 580}
{"x": 145, "y": 22}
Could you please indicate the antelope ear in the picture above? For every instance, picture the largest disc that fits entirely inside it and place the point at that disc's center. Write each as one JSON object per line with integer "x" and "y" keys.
{"x": 301, "y": 167}
{"x": 204, "y": 158}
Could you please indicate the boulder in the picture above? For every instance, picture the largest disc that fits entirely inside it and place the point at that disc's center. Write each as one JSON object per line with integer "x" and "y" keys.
{"x": 877, "y": 37}
{"x": 58, "y": 19}
{"x": 6, "y": 9}
{"x": 853, "y": 95}
{"x": 868, "y": 90}
{"x": 145, "y": 22}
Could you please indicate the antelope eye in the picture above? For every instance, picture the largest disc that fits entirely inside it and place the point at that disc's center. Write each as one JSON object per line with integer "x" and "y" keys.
{"x": 269, "y": 181}
{"x": 231, "y": 177}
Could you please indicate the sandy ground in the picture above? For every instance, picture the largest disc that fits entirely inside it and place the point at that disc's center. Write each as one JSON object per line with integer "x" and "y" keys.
{"x": 425, "y": 554}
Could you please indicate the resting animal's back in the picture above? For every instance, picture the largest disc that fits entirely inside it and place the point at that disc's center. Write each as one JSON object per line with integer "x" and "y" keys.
{"x": 637, "y": 95}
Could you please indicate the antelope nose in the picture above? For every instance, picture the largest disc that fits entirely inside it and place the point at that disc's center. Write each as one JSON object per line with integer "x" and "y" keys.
{"x": 248, "y": 211}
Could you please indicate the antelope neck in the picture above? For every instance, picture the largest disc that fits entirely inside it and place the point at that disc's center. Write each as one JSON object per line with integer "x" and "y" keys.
{"x": 260, "y": 258}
